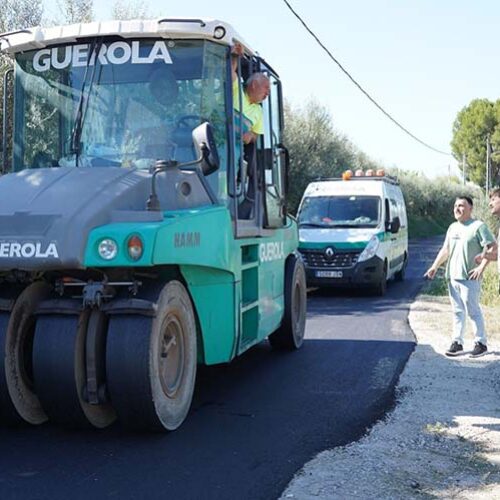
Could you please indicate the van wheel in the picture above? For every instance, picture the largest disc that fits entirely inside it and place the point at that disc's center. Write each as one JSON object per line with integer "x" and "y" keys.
{"x": 381, "y": 287}
{"x": 290, "y": 335}
{"x": 400, "y": 275}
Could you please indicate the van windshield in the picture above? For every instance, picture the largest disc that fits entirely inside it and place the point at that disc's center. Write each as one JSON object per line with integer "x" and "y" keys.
{"x": 340, "y": 211}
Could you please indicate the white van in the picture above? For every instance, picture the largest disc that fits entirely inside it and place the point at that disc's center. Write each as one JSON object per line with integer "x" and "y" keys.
{"x": 354, "y": 231}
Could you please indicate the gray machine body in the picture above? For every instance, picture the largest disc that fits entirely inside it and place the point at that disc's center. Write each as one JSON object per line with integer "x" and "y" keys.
{"x": 47, "y": 214}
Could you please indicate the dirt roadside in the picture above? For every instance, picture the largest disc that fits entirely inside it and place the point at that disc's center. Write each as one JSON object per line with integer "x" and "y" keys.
{"x": 442, "y": 440}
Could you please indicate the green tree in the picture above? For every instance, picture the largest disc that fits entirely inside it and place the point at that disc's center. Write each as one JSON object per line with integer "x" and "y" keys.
{"x": 473, "y": 125}
{"x": 316, "y": 149}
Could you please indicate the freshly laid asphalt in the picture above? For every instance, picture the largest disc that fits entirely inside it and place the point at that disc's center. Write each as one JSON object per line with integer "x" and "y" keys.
{"x": 253, "y": 423}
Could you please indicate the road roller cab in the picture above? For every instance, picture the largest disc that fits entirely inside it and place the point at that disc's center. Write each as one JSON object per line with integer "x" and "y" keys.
{"x": 139, "y": 235}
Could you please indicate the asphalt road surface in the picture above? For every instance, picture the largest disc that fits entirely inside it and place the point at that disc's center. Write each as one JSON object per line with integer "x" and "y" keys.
{"x": 254, "y": 422}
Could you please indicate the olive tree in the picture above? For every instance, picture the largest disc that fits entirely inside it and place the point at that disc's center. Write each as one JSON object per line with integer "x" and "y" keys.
{"x": 316, "y": 149}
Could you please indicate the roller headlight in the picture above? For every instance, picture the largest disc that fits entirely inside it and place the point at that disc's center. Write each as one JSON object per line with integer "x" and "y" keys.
{"x": 108, "y": 249}
{"x": 370, "y": 249}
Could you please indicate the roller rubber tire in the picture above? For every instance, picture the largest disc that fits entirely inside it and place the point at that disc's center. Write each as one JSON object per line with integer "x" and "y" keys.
{"x": 151, "y": 363}
{"x": 16, "y": 353}
{"x": 59, "y": 371}
{"x": 8, "y": 413}
{"x": 103, "y": 414}
{"x": 54, "y": 368}
{"x": 290, "y": 335}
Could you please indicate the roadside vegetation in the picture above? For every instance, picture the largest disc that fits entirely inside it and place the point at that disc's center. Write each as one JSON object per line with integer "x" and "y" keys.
{"x": 429, "y": 202}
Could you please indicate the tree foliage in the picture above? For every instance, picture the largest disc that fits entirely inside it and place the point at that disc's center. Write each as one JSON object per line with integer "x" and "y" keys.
{"x": 316, "y": 149}
{"x": 432, "y": 197}
{"x": 133, "y": 9}
{"x": 76, "y": 11}
{"x": 16, "y": 14}
{"x": 429, "y": 202}
{"x": 19, "y": 14}
{"x": 473, "y": 124}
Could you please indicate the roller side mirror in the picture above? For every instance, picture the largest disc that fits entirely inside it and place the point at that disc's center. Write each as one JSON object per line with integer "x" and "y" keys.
{"x": 206, "y": 149}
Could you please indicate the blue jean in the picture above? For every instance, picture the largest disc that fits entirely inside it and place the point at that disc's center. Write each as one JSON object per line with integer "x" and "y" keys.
{"x": 464, "y": 298}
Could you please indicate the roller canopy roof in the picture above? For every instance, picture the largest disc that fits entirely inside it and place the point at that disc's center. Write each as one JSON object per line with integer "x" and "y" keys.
{"x": 38, "y": 37}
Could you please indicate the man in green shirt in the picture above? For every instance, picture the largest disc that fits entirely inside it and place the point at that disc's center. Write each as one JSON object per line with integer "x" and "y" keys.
{"x": 465, "y": 238}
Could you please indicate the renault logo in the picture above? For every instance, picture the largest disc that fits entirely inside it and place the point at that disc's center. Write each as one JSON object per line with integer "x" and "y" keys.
{"x": 329, "y": 252}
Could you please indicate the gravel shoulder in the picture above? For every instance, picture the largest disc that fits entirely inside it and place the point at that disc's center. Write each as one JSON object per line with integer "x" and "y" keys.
{"x": 442, "y": 440}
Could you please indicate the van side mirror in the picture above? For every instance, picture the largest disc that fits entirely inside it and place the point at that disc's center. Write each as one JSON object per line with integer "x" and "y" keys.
{"x": 206, "y": 149}
{"x": 395, "y": 225}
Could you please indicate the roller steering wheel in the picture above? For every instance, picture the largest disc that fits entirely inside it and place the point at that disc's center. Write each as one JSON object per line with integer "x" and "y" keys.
{"x": 189, "y": 121}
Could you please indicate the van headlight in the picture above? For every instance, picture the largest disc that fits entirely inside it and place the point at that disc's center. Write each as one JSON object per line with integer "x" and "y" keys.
{"x": 370, "y": 249}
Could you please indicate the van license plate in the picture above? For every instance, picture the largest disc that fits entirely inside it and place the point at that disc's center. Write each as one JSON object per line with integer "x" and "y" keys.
{"x": 329, "y": 274}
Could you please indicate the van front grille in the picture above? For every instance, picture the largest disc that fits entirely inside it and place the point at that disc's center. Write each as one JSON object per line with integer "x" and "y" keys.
{"x": 339, "y": 259}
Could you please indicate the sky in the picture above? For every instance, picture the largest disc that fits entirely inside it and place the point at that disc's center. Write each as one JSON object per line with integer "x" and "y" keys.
{"x": 421, "y": 60}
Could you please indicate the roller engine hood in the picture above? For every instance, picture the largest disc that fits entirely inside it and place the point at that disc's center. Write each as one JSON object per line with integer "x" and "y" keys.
{"x": 47, "y": 214}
